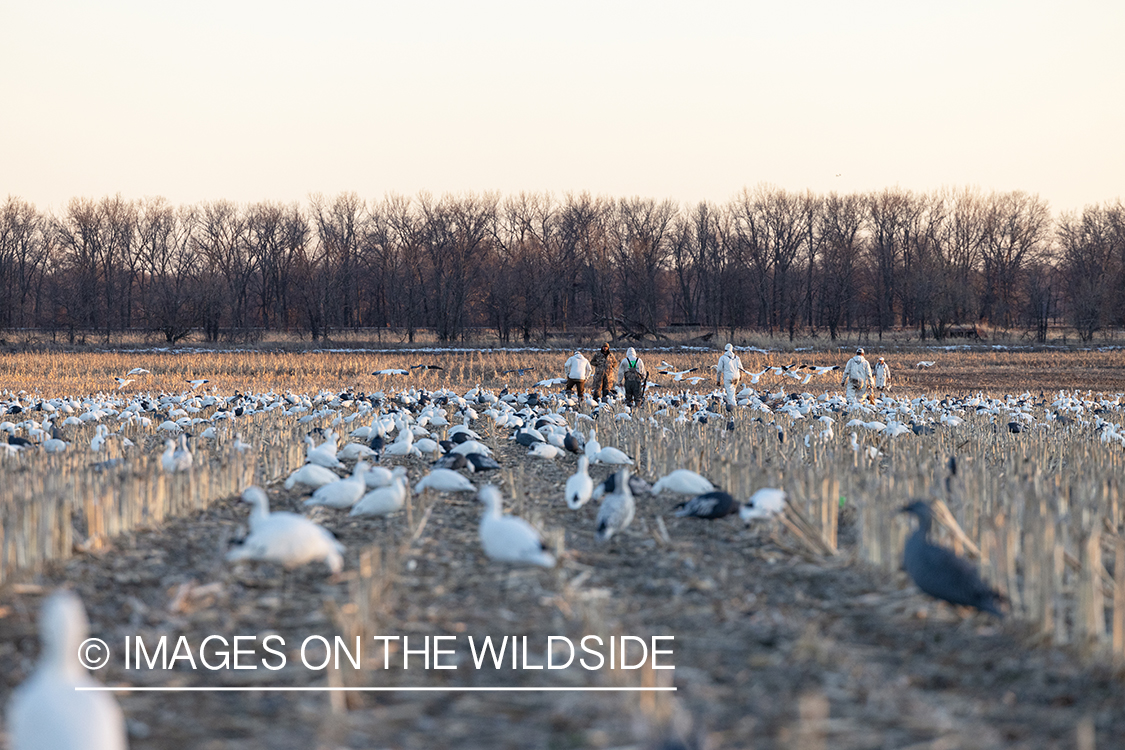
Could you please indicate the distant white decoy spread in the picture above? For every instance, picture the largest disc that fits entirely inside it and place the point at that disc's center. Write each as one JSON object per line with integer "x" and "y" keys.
{"x": 46, "y": 712}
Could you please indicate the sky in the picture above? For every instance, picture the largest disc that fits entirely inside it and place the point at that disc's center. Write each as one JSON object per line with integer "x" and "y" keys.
{"x": 277, "y": 101}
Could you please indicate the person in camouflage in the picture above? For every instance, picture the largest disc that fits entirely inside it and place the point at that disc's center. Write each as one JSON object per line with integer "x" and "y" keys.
{"x": 605, "y": 368}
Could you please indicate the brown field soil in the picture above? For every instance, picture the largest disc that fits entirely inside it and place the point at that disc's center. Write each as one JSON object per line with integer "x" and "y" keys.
{"x": 772, "y": 649}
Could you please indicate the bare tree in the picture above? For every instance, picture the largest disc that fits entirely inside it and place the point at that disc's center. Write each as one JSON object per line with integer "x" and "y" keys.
{"x": 1015, "y": 230}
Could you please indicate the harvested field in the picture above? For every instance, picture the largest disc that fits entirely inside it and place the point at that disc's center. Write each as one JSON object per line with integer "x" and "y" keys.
{"x": 776, "y": 644}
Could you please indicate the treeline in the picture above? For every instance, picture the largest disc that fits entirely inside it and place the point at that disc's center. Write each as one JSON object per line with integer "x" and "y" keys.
{"x": 523, "y": 265}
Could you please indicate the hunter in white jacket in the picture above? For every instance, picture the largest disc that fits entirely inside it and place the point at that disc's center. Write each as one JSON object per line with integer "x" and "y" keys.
{"x": 857, "y": 376}
{"x": 577, "y": 369}
{"x": 728, "y": 372}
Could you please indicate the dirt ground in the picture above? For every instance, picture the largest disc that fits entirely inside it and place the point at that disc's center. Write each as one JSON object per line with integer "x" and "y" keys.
{"x": 771, "y": 649}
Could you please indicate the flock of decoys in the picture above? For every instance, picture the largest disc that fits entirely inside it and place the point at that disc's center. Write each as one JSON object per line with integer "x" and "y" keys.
{"x": 46, "y": 712}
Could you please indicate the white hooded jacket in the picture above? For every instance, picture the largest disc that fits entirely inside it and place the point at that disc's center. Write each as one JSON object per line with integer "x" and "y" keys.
{"x": 631, "y": 361}
{"x": 859, "y": 369}
{"x": 730, "y": 366}
{"x": 578, "y": 367}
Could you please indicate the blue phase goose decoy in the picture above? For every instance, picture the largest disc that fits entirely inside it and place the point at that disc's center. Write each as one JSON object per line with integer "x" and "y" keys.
{"x": 940, "y": 573}
{"x": 717, "y": 504}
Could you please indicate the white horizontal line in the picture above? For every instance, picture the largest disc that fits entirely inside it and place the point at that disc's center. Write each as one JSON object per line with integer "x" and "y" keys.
{"x": 259, "y": 689}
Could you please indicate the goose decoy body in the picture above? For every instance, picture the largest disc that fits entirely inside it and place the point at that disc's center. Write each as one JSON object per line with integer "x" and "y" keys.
{"x": 717, "y": 504}
{"x": 939, "y": 572}
{"x": 287, "y": 539}
{"x": 617, "y": 510}
{"x": 509, "y": 538}
{"x": 47, "y": 712}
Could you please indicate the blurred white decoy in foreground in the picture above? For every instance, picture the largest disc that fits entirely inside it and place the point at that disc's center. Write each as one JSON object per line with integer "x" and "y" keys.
{"x": 765, "y": 503}
{"x": 509, "y": 538}
{"x": 46, "y": 712}
{"x": 285, "y": 538}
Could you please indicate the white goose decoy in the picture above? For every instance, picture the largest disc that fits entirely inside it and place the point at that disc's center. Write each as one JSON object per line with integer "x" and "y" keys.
{"x": 46, "y": 712}
{"x": 593, "y": 447}
{"x": 353, "y": 451}
{"x": 765, "y": 503}
{"x": 617, "y": 510}
{"x": 322, "y": 455}
{"x": 240, "y": 446}
{"x": 612, "y": 456}
{"x": 683, "y": 482}
{"x": 285, "y": 538}
{"x": 343, "y": 493}
{"x": 386, "y": 499}
{"x": 403, "y": 445}
{"x": 545, "y": 450}
{"x": 378, "y": 476}
{"x": 311, "y": 476}
{"x": 579, "y": 486}
{"x": 176, "y": 458}
{"x": 100, "y": 435}
{"x": 444, "y": 480}
{"x": 509, "y": 538}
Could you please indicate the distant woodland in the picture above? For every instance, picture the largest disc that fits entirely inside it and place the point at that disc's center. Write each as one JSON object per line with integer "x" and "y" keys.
{"x": 786, "y": 263}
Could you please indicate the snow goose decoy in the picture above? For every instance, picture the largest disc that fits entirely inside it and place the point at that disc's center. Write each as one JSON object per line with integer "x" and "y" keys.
{"x": 311, "y": 476}
{"x": 580, "y": 486}
{"x": 343, "y": 493}
{"x": 288, "y": 539}
{"x": 717, "y": 504}
{"x": 384, "y": 500}
{"x": 940, "y": 573}
{"x": 617, "y": 510}
{"x": 444, "y": 480}
{"x": 176, "y": 458}
{"x": 683, "y": 482}
{"x": 509, "y": 538}
{"x": 47, "y": 711}
{"x": 765, "y": 503}
{"x": 612, "y": 456}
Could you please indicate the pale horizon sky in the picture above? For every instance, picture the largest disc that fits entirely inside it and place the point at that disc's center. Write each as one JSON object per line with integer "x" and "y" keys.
{"x": 254, "y": 101}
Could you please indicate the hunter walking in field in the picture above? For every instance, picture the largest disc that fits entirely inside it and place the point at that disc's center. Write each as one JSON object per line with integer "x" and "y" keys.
{"x": 728, "y": 372}
{"x": 858, "y": 377}
{"x": 605, "y": 368}
{"x": 577, "y": 369}
{"x": 882, "y": 376}
{"x": 633, "y": 375}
